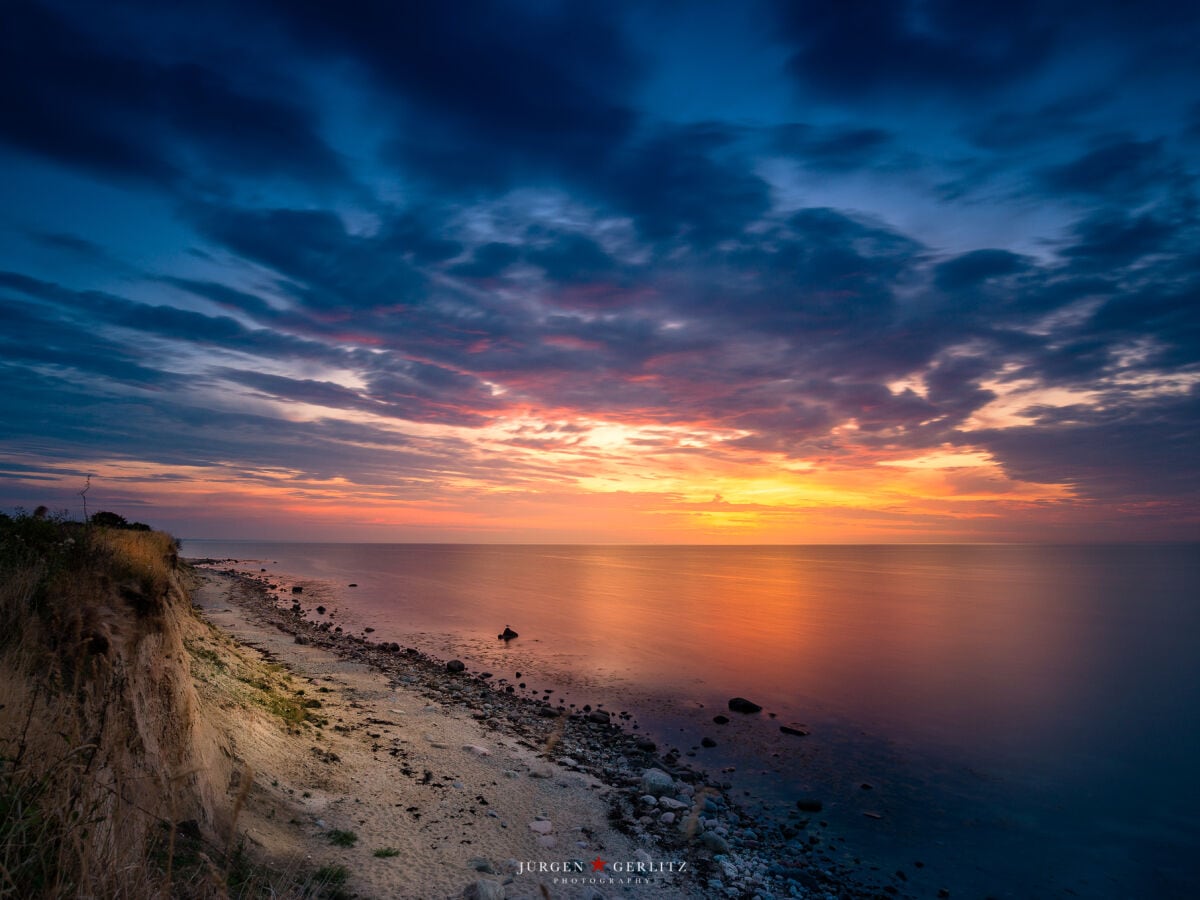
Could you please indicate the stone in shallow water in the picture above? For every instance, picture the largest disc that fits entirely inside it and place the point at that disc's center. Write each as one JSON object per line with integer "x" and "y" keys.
{"x": 742, "y": 705}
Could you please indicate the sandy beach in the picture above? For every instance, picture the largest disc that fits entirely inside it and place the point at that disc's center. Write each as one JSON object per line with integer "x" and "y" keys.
{"x": 452, "y": 787}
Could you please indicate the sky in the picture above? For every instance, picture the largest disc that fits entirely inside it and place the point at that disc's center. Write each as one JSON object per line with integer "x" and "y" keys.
{"x": 753, "y": 272}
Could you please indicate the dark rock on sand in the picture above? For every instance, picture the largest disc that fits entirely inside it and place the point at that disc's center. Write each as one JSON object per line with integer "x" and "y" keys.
{"x": 787, "y": 729}
{"x": 297, "y": 589}
{"x": 320, "y": 610}
{"x": 707, "y": 742}
{"x": 507, "y": 634}
{"x": 721, "y": 720}
{"x": 455, "y": 665}
{"x": 742, "y": 705}
{"x": 809, "y": 805}
{"x": 599, "y": 716}
{"x": 352, "y": 584}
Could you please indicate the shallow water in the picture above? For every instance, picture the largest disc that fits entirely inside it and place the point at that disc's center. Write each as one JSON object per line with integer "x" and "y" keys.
{"x": 1026, "y": 716}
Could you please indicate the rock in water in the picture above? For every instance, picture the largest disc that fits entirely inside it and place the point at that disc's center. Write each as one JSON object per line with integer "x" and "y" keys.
{"x": 742, "y": 705}
{"x": 507, "y": 634}
{"x": 455, "y": 665}
{"x": 798, "y": 732}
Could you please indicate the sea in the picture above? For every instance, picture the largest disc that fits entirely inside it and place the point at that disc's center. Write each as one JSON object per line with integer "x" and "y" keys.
{"x": 995, "y": 720}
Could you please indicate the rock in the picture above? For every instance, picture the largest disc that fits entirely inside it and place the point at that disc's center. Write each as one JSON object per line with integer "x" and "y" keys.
{"x": 806, "y": 805}
{"x": 547, "y": 841}
{"x": 352, "y": 584}
{"x": 721, "y": 720}
{"x": 599, "y": 716}
{"x": 667, "y": 818}
{"x": 320, "y": 610}
{"x": 649, "y": 800}
{"x": 368, "y": 630}
{"x": 483, "y": 889}
{"x": 541, "y": 826}
{"x": 297, "y": 590}
{"x": 507, "y": 635}
{"x": 714, "y": 842}
{"x": 707, "y": 742}
{"x": 477, "y": 750}
{"x": 742, "y": 705}
{"x": 455, "y": 666}
{"x": 300, "y": 639}
{"x": 787, "y": 729}
{"x": 479, "y": 864}
{"x": 547, "y": 712}
{"x": 656, "y": 782}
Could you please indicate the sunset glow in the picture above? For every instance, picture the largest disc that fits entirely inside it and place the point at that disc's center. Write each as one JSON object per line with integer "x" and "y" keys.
{"x": 602, "y": 274}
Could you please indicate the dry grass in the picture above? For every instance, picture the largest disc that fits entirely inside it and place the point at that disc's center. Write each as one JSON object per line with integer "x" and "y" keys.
{"x": 100, "y": 789}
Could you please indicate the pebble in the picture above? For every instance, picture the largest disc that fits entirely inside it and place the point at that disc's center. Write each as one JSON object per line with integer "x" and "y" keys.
{"x": 541, "y": 826}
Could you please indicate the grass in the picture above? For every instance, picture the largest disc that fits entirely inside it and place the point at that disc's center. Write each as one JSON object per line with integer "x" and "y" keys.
{"x": 90, "y": 735}
{"x": 386, "y": 852}
{"x": 341, "y": 838}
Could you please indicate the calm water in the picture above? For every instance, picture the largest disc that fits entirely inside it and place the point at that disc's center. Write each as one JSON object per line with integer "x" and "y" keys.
{"x": 1028, "y": 717}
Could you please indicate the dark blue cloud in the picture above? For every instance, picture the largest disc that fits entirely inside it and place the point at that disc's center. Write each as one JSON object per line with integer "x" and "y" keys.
{"x": 880, "y": 46}
{"x": 1115, "y": 169}
{"x": 970, "y": 269}
{"x": 83, "y": 101}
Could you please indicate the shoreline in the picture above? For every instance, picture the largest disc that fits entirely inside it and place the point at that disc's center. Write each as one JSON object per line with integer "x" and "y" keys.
{"x": 692, "y": 840}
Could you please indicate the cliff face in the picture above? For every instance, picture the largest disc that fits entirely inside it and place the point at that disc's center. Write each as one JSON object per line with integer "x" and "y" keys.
{"x": 103, "y": 748}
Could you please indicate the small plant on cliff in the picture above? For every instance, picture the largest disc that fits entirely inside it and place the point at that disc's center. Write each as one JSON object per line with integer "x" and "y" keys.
{"x": 340, "y": 838}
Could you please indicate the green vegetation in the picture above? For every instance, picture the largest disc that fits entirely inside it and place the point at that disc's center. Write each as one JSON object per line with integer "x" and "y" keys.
{"x": 340, "y": 838}
{"x": 386, "y": 852}
{"x": 85, "y": 811}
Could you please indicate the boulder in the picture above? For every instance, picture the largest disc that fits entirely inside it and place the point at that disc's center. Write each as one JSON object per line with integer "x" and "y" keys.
{"x": 507, "y": 634}
{"x": 798, "y": 732}
{"x": 455, "y": 666}
{"x": 742, "y": 705}
{"x": 714, "y": 842}
{"x": 656, "y": 783}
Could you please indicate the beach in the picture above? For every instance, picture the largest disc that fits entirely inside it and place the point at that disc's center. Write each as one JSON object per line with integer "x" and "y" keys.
{"x": 482, "y": 792}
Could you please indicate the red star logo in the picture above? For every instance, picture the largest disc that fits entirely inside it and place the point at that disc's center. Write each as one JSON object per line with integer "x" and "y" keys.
{"x": 597, "y": 865}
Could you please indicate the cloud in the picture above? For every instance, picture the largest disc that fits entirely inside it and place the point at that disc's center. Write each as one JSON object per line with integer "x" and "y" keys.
{"x": 880, "y": 47}
{"x": 1116, "y": 169}
{"x": 94, "y": 102}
